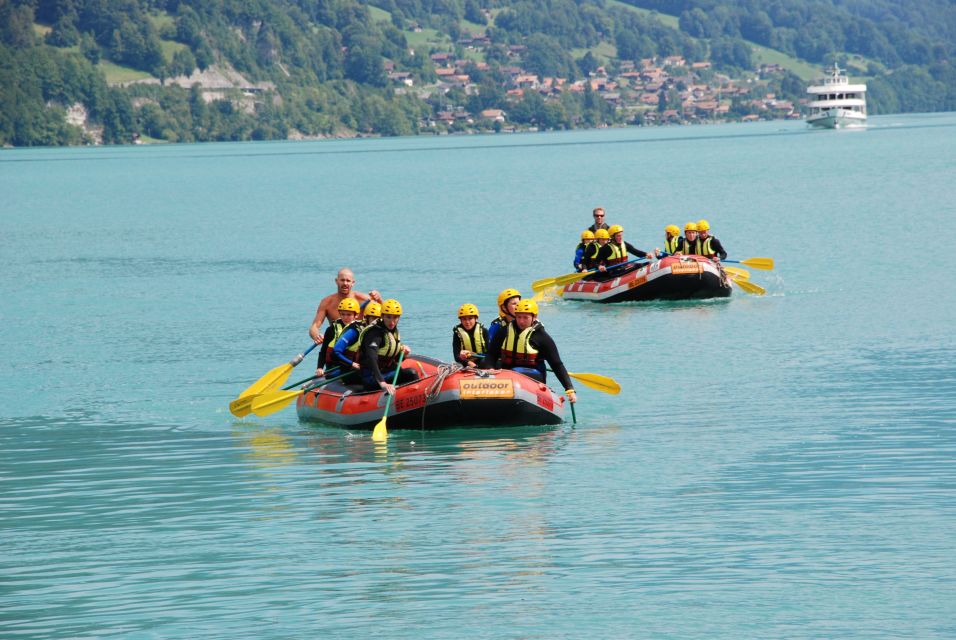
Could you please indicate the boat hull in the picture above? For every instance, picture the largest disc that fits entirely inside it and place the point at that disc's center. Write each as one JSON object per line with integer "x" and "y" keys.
{"x": 671, "y": 278}
{"x": 440, "y": 399}
{"x": 837, "y": 119}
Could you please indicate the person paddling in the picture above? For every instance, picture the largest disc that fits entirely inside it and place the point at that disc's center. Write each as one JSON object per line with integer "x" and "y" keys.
{"x": 345, "y": 352}
{"x": 671, "y": 239}
{"x": 527, "y": 348}
{"x": 507, "y": 300}
{"x": 469, "y": 338}
{"x": 583, "y": 250}
{"x": 328, "y": 308}
{"x": 616, "y": 251}
{"x": 688, "y": 243}
{"x": 348, "y": 312}
{"x": 371, "y": 312}
{"x": 379, "y": 348}
{"x": 708, "y": 245}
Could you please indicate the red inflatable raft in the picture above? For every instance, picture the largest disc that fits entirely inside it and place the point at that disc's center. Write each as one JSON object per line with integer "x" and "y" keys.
{"x": 671, "y": 278}
{"x": 445, "y": 396}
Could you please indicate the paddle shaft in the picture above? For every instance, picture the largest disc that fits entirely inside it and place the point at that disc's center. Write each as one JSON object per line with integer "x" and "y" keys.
{"x": 380, "y": 432}
{"x": 607, "y": 269}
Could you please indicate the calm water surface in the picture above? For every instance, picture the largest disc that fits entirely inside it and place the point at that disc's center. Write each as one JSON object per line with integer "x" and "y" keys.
{"x": 775, "y": 467}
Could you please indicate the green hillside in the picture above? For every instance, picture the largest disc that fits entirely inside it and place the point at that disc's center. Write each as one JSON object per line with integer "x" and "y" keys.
{"x": 275, "y": 69}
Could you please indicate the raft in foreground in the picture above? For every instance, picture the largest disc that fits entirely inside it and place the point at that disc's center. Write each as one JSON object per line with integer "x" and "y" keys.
{"x": 671, "y": 278}
{"x": 444, "y": 397}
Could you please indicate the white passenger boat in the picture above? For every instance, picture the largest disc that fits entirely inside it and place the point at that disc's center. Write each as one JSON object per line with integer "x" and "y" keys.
{"x": 837, "y": 104}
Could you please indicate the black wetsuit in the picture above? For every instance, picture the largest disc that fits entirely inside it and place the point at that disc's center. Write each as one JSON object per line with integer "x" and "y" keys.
{"x": 547, "y": 353}
{"x": 456, "y": 345}
{"x": 372, "y": 376}
{"x": 715, "y": 247}
{"x": 328, "y": 343}
{"x": 590, "y": 254}
{"x": 604, "y": 253}
{"x": 594, "y": 227}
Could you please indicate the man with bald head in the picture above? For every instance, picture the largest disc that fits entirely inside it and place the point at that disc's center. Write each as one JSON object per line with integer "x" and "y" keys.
{"x": 329, "y": 307}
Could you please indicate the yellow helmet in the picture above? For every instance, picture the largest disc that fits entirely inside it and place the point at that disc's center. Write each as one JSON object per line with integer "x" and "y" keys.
{"x": 615, "y": 228}
{"x": 467, "y": 309}
{"x": 690, "y": 226}
{"x": 703, "y": 225}
{"x": 373, "y": 310}
{"x": 527, "y": 306}
{"x": 602, "y": 233}
{"x": 508, "y": 294}
{"x": 587, "y": 234}
{"x": 672, "y": 229}
{"x": 349, "y": 304}
{"x": 391, "y": 307}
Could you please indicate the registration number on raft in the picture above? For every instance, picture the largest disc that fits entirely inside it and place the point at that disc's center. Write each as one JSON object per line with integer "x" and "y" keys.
{"x": 480, "y": 389}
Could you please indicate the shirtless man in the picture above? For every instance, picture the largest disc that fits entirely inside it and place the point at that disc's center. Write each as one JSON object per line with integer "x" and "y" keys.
{"x": 329, "y": 307}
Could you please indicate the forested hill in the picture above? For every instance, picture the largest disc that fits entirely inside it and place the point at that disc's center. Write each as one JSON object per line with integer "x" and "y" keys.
{"x": 118, "y": 71}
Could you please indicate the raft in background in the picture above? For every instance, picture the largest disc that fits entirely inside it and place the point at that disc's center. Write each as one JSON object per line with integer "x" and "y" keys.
{"x": 671, "y": 278}
{"x": 444, "y": 397}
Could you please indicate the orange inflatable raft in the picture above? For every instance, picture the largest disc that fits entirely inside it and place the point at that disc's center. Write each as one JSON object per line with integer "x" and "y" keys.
{"x": 445, "y": 396}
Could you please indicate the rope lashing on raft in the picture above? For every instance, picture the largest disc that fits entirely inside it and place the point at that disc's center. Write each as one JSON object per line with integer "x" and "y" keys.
{"x": 434, "y": 389}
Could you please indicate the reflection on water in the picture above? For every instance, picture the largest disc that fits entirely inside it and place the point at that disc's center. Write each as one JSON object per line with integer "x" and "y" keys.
{"x": 267, "y": 447}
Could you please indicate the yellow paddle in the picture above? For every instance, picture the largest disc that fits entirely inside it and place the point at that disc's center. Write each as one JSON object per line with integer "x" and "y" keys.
{"x": 268, "y": 403}
{"x": 542, "y": 284}
{"x": 737, "y": 272}
{"x": 276, "y": 377}
{"x": 380, "y": 432}
{"x": 241, "y": 407}
{"x": 764, "y": 264}
{"x": 749, "y": 287}
{"x": 568, "y": 278}
{"x": 604, "y": 384}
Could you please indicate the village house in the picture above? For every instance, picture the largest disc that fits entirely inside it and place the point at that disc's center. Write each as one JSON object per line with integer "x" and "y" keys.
{"x": 402, "y": 77}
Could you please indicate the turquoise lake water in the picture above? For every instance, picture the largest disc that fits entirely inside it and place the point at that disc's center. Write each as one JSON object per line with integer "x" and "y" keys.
{"x": 775, "y": 467}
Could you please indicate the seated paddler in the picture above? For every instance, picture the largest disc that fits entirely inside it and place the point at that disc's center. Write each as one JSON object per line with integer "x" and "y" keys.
{"x": 707, "y": 245}
{"x": 371, "y": 312}
{"x": 348, "y": 310}
{"x": 688, "y": 244}
{"x": 345, "y": 351}
{"x": 583, "y": 250}
{"x": 615, "y": 252}
{"x": 379, "y": 347}
{"x": 507, "y": 300}
{"x": 469, "y": 338}
{"x": 671, "y": 239}
{"x": 524, "y": 346}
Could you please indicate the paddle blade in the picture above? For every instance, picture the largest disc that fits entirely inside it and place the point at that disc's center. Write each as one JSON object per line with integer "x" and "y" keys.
{"x": 766, "y": 264}
{"x": 604, "y": 384}
{"x": 241, "y": 407}
{"x": 273, "y": 379}
{"x": 542, "y": 284}
{"x": 571, "y": 277}
{"x": 737, "y": 272}
{"x": 269, "y": 403}
{"x": 380, "y": 432}
{"x": 749, "y": 287}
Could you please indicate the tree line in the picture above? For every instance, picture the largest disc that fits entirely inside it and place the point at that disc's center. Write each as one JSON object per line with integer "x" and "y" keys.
{"x": 326, "y": 59}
